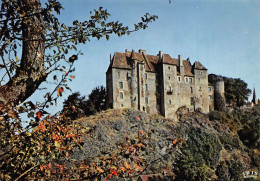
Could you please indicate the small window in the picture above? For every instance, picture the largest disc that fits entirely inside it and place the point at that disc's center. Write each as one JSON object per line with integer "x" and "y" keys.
{"x": 200, "y": 72}
{"x": 145, "y": 76}
{"x": 200, "y": 95}
{"x": 200, "y": 88}
{"x": 146, "y": 100}
{"x": 186, "y": 79}
{"x": 191, "y": 101}
{"x": 122, "y": 105}
{"x": 146, "y": 87}
{"x": 209, "y": 89}
{"x": 121, "y": 95}
{"x": 169, "y": 68}
{"x": 118, "y": 73}
{"x": 179, "y": 79}
{"x": 170, "y": 89}
{"x": 190, "y": 80}
{"x": 169, "y": 77}
{"x": 128, "y": 75}
{"x": 210, "y": 97}
{"x": 170, "y": 102}
{"x": 120, "y": 85}
{"x": 191, "y": 90}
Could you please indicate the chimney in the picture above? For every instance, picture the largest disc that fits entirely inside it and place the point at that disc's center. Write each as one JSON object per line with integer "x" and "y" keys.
{"x": 142, "y": 51}
{"x": 180, "y": 60}
{"x": 126, "y": 50}
{"x": 110, "y": 58}
{"x": 160, "y": 54}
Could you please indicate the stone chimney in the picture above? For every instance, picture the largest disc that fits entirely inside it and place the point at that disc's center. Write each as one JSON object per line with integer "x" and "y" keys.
{"x": 181, "y": 67}
{"x": 126, "y": 50}
{"x": 110, "y": 58}
{"x": 160, "y": 55}
{"x": 180, "y": 60}
{"x": 142, "y": 51}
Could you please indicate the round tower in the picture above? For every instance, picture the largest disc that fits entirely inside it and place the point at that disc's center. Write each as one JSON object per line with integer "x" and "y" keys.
{"x": 220, "y": 87}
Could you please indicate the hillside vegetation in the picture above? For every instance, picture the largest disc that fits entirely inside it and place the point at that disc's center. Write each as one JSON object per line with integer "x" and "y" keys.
{"x": 218, "y": 146}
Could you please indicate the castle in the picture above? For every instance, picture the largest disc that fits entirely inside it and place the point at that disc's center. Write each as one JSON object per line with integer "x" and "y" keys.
{"x": 158, "y": 84}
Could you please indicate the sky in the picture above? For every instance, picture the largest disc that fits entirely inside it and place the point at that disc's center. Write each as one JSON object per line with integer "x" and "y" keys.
{"x": 224, "y": 35}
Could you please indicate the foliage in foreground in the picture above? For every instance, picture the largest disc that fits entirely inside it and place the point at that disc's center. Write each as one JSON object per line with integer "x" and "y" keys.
{"x": 41, "y": 147}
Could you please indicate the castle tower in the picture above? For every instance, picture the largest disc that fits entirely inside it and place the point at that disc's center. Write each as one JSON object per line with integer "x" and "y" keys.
{"x": 220, "y": 87}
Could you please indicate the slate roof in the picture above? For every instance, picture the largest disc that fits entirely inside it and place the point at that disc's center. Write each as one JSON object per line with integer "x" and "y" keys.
{"x": 198, "y": 65}
{"x": 125, "y": 61}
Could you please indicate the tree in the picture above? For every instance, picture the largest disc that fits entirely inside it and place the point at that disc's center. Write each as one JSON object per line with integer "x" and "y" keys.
{"x": 96, "y": 101}
{"x": 74, "y": 106}
{"x": 45, "y": 43}
{"x": 47, "y": 46}
{"x": 236, "y": 90}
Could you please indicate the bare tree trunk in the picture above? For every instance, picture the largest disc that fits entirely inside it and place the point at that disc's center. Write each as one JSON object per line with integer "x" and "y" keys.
{"x": 31, "y": 72}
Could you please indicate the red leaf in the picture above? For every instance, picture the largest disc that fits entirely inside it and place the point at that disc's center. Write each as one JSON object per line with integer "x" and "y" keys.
{"x": 114, "y": 173}
{"x": 108, "y": 177}
{"x": 68, "y": 136}
{"x": 39, "y": 114}
{"x": 137, "y": 117}
{"x": 60, "y": 90}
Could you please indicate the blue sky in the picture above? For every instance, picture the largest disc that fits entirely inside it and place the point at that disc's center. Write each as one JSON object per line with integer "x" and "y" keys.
{"x": 224, "y": 35}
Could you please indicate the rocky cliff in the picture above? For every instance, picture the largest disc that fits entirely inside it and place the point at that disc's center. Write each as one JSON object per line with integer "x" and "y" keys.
{"x": 211, "y": 149}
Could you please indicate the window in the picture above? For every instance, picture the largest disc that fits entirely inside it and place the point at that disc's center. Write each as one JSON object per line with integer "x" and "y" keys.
{"x": 179, "y": 79}
{"x": 170, "y": 89}
{"x": 120, "y": 85}
{"x": 169, "y": 68}
{"x": 169, "y": 77}
{"x": 191, "y": 90}
{"x": 170, "y": 102}
{"x": 122, "y": 105}
{"x": 145, "y": 76}
{"x": 210, "y": 97}
{"x": 121, "y": 95}
{"x": 191, "y": 101}
{"x": 190, "y": 80}
{"x": 118, "y": 73}
{"x": 186, "y": 79}
{"x": 200, "y": 89}
{"x": 200, "y": 72}
{"x": 146, "y": 100}
{"x": 146, "y": 87}
{"x": 209, "y": 89}
{"x": 128, "y": 75}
